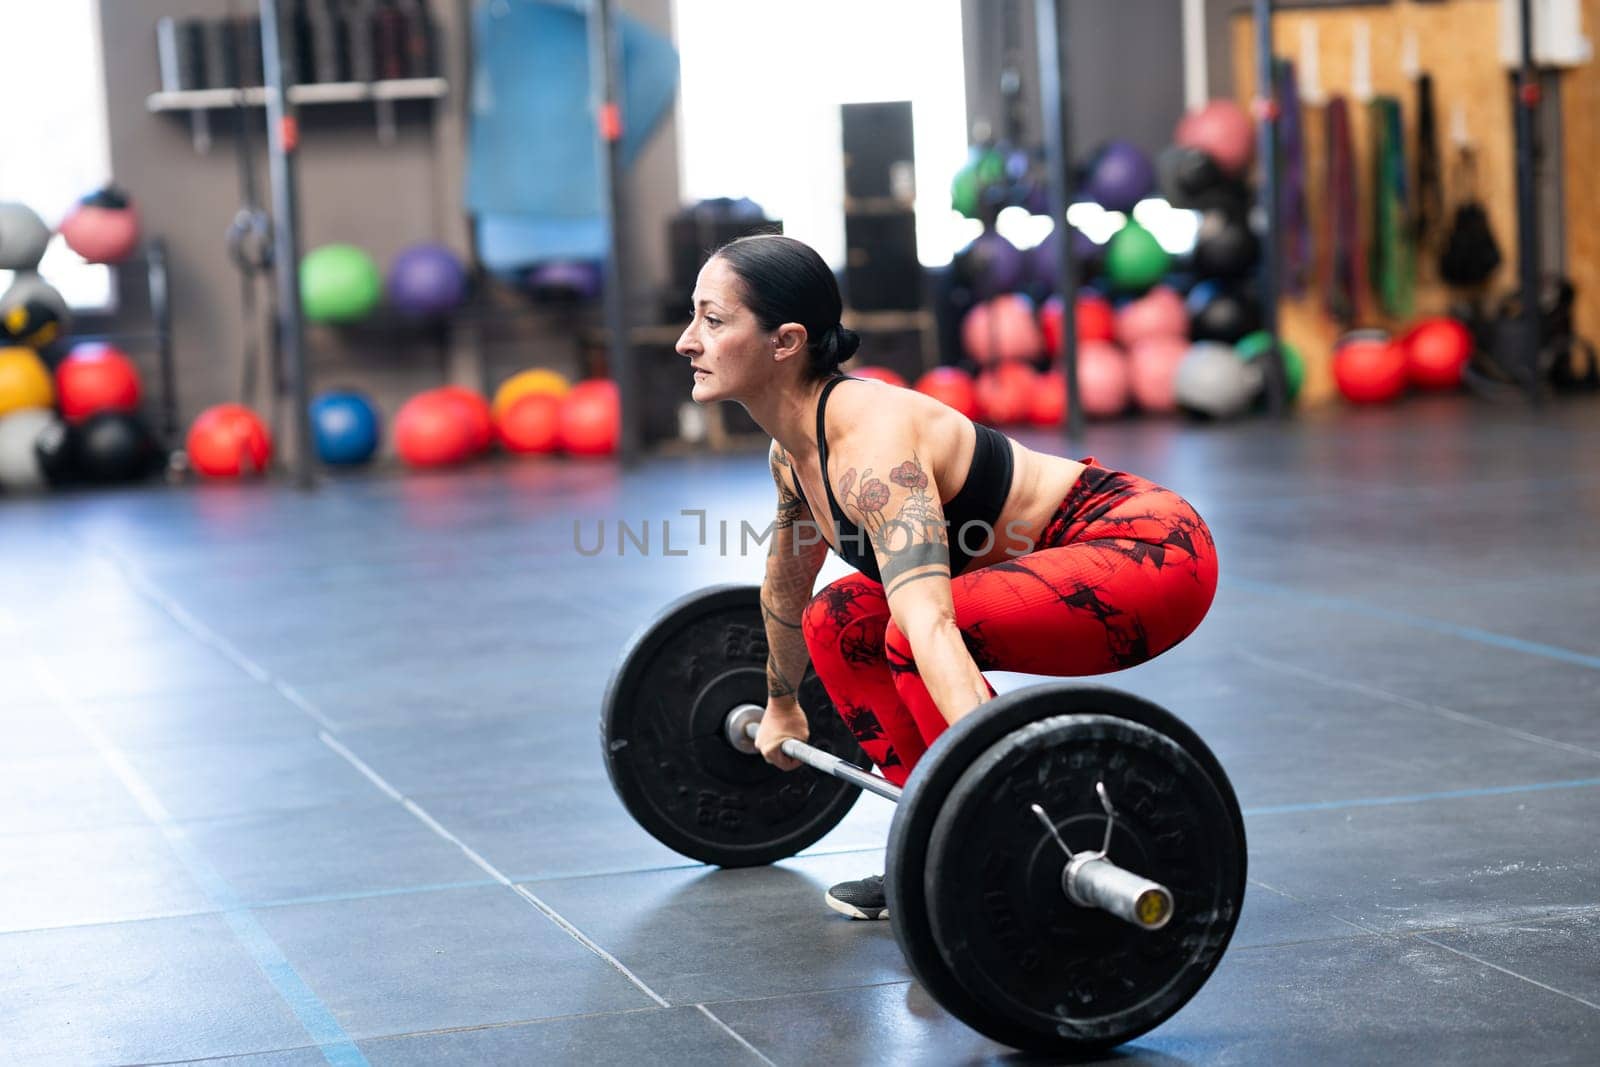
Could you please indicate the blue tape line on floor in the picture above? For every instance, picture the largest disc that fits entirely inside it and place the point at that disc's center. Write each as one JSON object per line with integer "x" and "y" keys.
{"x": 1417, "y": 798}
{"x": 1421, "y": 622}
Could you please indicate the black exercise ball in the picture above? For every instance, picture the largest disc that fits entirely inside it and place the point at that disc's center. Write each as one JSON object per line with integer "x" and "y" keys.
{"x": 57, "y": 449}
{"x": 1228, "y": 316}
{"x": 114, "y": 447}
{"x": 1185, "y": 174}
{"x": 1225, "y": 247}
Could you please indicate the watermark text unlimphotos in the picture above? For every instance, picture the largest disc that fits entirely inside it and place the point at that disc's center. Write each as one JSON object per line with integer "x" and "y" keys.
{"x": 690, "y": 529}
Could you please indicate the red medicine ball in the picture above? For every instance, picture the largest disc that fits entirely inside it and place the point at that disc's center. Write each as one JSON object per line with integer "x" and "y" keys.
{"x": 1369, "y": 368}
{"x": 472, "y": 409}
{"x": 531, "y": 425}
{"x": 951, "y": 386}
{"x": 228, "y": 441}
{"x": 95, "y": 378}
{"x": 591, "y": 418}
{"x": 1437, "y": 351}
{"x": 430, "y": 432}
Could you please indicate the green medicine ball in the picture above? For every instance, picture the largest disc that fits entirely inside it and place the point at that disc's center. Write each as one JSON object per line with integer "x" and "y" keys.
{"x": 1135, "y": 260}
{"x": 964, "y": 192}
{"x": 339, "y": 283}
{"x": 1253, "y": 346}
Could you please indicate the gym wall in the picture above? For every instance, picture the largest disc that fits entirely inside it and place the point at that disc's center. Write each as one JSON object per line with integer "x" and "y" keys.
{"x": 1458, "y": 43}
{"x": 1124, "y": 65}
{"x": 353, "y": 188}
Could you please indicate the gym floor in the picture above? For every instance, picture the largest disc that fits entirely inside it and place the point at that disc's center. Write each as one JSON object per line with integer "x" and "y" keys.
{"x": 304, "y": 778}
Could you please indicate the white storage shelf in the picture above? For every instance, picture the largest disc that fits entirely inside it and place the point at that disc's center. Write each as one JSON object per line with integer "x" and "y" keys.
{"x": 310, "y": 93}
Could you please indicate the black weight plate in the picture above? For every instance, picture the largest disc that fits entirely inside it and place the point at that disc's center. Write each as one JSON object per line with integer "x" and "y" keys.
{"x": 662, "y": 731}
{"x": 937, "y": 772}
{"x": 1078, "y": 978}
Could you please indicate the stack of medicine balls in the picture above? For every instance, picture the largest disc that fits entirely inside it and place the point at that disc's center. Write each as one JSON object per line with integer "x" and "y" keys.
{"x": 67, "y": 417}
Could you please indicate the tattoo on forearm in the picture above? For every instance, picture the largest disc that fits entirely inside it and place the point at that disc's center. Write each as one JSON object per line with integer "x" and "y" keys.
{"x": 769, "y": 613}
{"x": 777, "y": 684}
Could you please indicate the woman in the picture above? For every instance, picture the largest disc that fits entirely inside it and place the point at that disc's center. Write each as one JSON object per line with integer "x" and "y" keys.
{"x": 974, "y": 552}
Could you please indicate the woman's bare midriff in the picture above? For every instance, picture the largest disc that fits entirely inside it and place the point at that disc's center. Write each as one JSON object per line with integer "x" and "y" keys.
{"x": 947, "y": 438}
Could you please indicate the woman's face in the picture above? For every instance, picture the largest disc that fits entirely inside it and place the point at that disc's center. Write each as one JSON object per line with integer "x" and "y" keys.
{"x": 729, "y": 351}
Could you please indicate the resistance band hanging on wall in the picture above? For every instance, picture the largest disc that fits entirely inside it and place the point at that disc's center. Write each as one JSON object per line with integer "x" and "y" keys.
{"x": 1427, "y": 212}
{"x": 1393, "y": 267}
{"x": 1294, "y": 227}
{"x": 1344, "y": 257}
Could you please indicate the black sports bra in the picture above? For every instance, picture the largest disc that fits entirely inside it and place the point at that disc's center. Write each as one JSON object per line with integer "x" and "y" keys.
{"x": 971, "y": 515}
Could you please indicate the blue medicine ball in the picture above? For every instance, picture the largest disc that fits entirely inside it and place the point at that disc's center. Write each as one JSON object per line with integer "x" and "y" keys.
{"x": 345, "y": 427}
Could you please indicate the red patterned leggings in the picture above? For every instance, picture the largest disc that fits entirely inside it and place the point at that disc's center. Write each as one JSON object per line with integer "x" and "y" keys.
{"x": 1123, "y": 571}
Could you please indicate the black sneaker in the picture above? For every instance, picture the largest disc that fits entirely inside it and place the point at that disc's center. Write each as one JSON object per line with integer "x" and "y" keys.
{"x": 862, "y": 899}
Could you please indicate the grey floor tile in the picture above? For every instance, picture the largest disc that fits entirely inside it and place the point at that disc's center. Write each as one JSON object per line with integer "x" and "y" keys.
{"x": 1391, "y": 1000}
{"x": 702, "y": 934}
{"x": 78, "y": 877}
{"x": 433, "y": 961}
{"x": 75, "y": 791}
{"x": 1563, "y": 952}
{"x": 209, "y": 780}
{"x": 371, "y": 846}
{"x": 682, "y": 1035}
{"x": 551, "y": 828}
{"x": 157, "y": 991}
{"x": 1436, "y": 863}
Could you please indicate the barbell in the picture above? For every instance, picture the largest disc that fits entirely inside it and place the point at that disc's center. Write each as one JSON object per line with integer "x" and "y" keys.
{"x": 1065, "y": 866}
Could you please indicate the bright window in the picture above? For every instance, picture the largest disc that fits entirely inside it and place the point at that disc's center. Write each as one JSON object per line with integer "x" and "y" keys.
{"x": 57, "y": 148}
{"x": 759, "y": 108}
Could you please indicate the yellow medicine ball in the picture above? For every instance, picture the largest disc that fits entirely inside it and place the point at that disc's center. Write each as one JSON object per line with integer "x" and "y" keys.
{"x": 25, "y": 382}
{"x": 528, "y": 383}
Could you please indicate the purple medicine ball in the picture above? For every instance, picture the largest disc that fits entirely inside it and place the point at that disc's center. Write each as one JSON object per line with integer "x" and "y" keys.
{"x": 427, "y": 279}
{"x": 1121, "y": 176}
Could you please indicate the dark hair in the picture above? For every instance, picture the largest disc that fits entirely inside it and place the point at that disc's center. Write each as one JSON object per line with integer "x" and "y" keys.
{"x": 786, "y": 281}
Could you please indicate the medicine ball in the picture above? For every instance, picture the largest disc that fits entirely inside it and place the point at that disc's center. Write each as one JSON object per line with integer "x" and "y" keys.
{"x": 115, "y": 447}
{"x": 989, "y": 265}
{"x": 1102, "y": 379}
{"x": 1094, "y": 319}
{"x": 1135, "y": 260}
{"x": 1253, "y": 346}
{"x": 1224, "y": 247}
{"x": 527, "y": 383}
{"x": 427, "y": 280}
{"x": 952, "y": 387}
{"x": 32, "y": 312}
{"x": 339, "y": 283}
{"x": 1369, "y": 368}
{"x": 229, "y": 441}
{"x": 24, "y": 381}
{"x": 1223, "y": 131}
{"x": 103, "y": 227}
{"x": 531, "y": 425}
{"x": 23, "y": 237}
{"x": 1212, "y": 382}
{"x": 563, "y": 281}
{"x": 1153, "y": 372}
{"x": 20, "y": 468}
{"x": 430, "y": 432}
{"x": 1159, "y": 313}
{"x": 345, "y": 428}
{"x": 1437, "y": 351}
{"x": 1049, "y": 403}
{"x": 1120, "y": 176}
{"x": 1001, "y": 329}
{"x": 474, "y": 410}
{"x": 591, "y": 418}
{"x": 1227, "y": 316}
{"x": 1187, "y": 173}
{"x": 1005, "y": 392}
{"x": 94, "y": 378}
